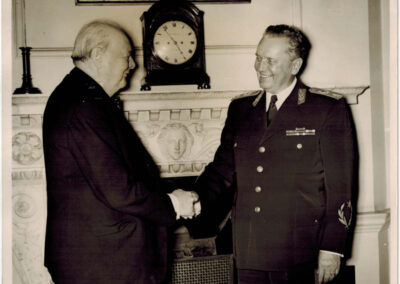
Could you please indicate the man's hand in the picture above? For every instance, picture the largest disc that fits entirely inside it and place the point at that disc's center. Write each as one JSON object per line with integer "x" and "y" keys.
{"x": 189, "y": 203}
{"x": 328, "y": 266}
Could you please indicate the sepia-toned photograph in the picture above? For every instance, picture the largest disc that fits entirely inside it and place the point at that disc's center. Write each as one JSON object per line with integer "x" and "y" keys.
{"x": 199, "y": 142}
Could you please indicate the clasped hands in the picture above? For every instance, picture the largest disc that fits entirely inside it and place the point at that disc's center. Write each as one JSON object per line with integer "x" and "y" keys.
{"x": 188, "y": 203}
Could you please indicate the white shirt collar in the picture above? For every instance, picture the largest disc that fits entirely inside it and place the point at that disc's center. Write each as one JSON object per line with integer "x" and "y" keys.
{"x": 282, "y": 95}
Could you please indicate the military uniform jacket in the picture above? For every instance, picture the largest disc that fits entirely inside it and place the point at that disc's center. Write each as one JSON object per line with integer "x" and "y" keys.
{"x": 293, "y": 179}
{"x": 107, "y": 209}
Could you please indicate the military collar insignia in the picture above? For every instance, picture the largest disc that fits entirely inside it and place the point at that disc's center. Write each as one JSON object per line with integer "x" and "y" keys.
{"x": 301, "y": 96}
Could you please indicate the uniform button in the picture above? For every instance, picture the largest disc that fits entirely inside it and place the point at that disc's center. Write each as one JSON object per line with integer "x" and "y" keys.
{"x": 261, "y": 149}
{"x": 235, "y": 145}
{"x": 315, "y": 221}
{"x": 260, "y": 169}
{"x": 257, "y": 189}
{"x": 257, "y": 209}
{"x": 299, "y": 146}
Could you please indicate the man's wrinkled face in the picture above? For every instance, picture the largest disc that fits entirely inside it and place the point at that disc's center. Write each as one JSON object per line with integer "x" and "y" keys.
{"x": 274, "y": 65}
{"x": 117, "y": 62}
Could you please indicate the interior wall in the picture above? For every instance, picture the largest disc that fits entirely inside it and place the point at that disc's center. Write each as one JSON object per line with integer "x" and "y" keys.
{"x": 232, "y": 32}
{"x": 390, "y": 12}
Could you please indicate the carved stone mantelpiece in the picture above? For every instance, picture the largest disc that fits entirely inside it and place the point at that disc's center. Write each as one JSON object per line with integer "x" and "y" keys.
{"x": 181, "y": 131}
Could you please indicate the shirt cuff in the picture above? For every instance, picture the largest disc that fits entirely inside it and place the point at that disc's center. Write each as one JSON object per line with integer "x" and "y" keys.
{"x": 175, "y": 203}
{"x": 332, "y": 252}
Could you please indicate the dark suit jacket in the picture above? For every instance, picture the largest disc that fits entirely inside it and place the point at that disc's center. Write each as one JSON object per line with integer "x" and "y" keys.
{"x": 293, "y": 180}
{"x": 107, "y": 209}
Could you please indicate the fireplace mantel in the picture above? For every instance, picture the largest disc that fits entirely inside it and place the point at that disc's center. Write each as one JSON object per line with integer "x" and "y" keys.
{"x": 181, "y": 130}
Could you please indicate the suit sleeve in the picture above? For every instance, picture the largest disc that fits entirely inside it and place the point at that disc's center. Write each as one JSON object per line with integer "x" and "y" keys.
{"x": 114, "y": 182}
{"x": 338, "y": 155}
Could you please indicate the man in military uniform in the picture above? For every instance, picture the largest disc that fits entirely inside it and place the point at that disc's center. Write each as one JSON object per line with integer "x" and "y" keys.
{"x": 288, "y": 154}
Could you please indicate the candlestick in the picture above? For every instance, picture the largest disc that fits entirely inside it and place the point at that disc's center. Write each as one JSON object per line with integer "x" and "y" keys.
{"x": 27, "y": 87}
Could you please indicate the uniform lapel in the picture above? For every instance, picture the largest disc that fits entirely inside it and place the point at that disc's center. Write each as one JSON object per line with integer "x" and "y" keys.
{"x": 256, "y": 119}
{"x": 286, "y": 115}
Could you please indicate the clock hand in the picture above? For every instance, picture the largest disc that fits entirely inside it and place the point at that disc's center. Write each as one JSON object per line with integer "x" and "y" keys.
{"x": 176, "y": 44}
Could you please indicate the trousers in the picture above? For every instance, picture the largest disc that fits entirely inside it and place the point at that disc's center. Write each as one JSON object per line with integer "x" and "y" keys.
{"x": 246, "y": 276}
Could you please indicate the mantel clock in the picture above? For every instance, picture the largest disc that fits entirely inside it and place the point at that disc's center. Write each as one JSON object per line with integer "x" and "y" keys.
{"x": 173, "y": 45}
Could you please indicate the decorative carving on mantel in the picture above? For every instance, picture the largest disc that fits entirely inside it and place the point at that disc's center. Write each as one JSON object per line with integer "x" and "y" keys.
{"x": 24, "y": 206}
{"x": 28, "y": 262}
{"x": 26, "y": 148}
{"x": 29, "y": 221}
{"x": 181, "y": 142}
{"x": 27, "y": 120}
{"x": 28, "y": 175}
{"x": 175, "y": 141}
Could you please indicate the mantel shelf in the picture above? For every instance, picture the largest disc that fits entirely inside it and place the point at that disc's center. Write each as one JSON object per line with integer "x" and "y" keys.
{"x": 37, "y": 102}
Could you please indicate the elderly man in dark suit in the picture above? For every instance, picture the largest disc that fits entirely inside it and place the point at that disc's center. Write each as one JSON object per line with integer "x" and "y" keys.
{"x": 108, "y": 210}
{"x": 287, "y": 154}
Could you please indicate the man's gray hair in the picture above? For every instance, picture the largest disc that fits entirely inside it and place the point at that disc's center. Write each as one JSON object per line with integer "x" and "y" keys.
{"x": 299, "y": 44}
{"x": 92, "y": 35}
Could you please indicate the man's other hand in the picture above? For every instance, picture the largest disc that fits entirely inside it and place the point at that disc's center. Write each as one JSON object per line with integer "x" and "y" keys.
{"x": 328, "y": 266}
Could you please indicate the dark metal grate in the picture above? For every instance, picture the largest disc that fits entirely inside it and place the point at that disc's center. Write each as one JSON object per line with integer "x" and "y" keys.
{"x": 203, "y": 270}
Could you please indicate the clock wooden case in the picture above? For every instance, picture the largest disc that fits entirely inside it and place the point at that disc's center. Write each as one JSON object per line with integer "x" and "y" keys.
{"x": 173, "y": 45}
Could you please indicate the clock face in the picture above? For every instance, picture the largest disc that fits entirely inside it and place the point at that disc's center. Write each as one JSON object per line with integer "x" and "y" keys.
{"x": 175, "y": 42}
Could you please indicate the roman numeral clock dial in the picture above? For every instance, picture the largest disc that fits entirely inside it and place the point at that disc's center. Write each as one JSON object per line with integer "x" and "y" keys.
{"x": 173, "y": 45}
{"x": 175, "y": 42}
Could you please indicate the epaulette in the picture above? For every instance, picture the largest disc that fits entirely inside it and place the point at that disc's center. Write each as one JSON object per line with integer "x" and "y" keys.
{"x": 326, "y": 92}
{"x": 258, "y": 93}
{"x": 248, "y": 94}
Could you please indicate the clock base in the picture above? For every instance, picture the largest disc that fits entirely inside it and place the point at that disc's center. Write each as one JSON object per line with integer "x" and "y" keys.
{"x": 176, "y": 77}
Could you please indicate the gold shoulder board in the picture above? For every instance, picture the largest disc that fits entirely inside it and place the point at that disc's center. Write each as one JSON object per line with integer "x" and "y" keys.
{"x": 326, "y": 92}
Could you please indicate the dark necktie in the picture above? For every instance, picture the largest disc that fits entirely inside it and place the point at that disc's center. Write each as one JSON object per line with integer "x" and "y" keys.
{"x": 272, "y": 110}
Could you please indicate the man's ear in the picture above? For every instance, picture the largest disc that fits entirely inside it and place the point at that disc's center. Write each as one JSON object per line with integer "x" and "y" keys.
{"x": 296, "y": 65}
{"x": 97, "y": 54}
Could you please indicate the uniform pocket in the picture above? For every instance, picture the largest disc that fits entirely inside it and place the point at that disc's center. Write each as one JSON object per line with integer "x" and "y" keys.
{"x": 300, "y": 153}
{"x": 241, "y": 142}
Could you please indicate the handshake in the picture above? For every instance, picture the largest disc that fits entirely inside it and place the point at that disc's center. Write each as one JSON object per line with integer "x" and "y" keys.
{"x": 186, "y": 203}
